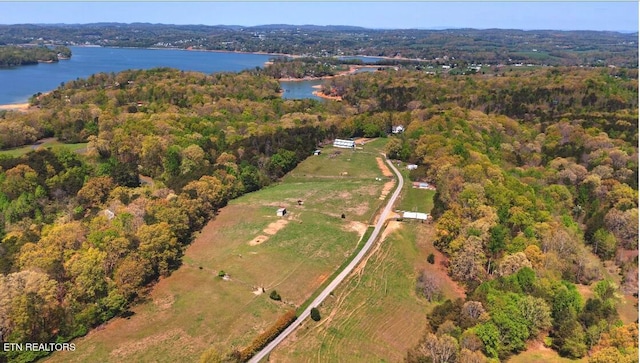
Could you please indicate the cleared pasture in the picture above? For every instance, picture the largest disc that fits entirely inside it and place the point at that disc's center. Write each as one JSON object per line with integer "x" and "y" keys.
{"x": 377, "y": 315}
{"x": 194, "y": 309}
{"x": 46, "y": 143}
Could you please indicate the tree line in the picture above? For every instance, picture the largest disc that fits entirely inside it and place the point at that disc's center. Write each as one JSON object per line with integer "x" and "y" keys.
{"x": 490, "y": 46}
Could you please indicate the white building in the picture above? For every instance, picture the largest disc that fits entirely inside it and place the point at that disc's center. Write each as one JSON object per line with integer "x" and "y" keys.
{"x": 397, "y": 129}
{"x": 415, "y": 215}
{"x": 345, "y": 144}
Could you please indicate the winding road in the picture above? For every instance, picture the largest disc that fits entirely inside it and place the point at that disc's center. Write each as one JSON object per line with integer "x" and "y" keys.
{"x": 347, "y": 270}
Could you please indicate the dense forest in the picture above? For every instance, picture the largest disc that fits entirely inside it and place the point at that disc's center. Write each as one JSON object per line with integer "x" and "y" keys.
{"x": 491, "y": 46}
{"x": 536, "y": 175}
{"x": 18, "y": 56}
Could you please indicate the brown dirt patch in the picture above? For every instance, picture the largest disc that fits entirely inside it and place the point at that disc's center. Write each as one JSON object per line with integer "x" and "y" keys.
{"x": 274, "y": 227}
{"x": 392, "y": 226}
{"x": 258, "y": 240}
{"x": 363, "y": 140}
{"x": 320, "y": 279}
{"x": 354, "y": 226}
{"x": 358, "y": 210}
{"x": 165, "y": 302}
{"x": 426, "y": 236}
{"x": 270, "y": 230}
{"x": 383, "y": 167}
{"x": 386, "y": 189}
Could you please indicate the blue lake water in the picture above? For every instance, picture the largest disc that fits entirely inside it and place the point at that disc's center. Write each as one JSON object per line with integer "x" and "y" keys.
{"x": 19, "y": 83}
{"x": 300, "y": 89}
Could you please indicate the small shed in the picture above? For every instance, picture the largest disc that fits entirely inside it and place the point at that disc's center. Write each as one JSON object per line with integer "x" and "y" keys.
{"x": 412, "y": 166}
{"x": 317, "y": 152}
{"x": 281, "y": 212}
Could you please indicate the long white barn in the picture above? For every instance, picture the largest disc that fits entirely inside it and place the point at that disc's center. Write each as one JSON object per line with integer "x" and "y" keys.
{"x": 346, "y": 144}
{"x": 415, "y": 215}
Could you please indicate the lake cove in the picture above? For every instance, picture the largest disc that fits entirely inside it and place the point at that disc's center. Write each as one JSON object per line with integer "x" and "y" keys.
{"x": 17, "y": 84}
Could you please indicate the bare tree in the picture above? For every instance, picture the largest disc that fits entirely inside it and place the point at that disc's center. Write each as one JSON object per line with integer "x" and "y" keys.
{"x": 428, "y": 286}
{"x": 441, "y": 349}
{"x": 473, "y": 309}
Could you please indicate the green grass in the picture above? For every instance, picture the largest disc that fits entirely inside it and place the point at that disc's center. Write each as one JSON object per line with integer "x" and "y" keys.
{"x": 544, "y": 355}
{"x": 363, "y": 240}
{"x": 194, "y": 309}
{"x": 414, "y": 199}
{"x": 54, "y": 144}
{"x": 374, "y": 316}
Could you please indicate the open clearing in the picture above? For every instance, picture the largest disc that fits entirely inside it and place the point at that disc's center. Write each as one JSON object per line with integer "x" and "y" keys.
{"x": 376, "y": 314}
{"x": 44, "y": 143}
{"x": 193, "y": 309}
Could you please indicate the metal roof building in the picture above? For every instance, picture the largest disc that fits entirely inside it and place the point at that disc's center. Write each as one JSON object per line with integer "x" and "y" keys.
{"x": 415, "y": 215}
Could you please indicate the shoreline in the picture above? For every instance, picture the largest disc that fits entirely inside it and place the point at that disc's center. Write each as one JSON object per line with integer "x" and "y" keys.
{"x": 352, "y": 70}
{"x": 15, "y": 107}
{"x": 24, "y": 106}
{"x": 323, "y": 96}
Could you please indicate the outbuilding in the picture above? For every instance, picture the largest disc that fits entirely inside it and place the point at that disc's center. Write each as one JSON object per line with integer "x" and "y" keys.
{"x": 281, "y": 212}
{"x": 345, "y": 144}
{"x": 397, "y": 129}
{"x": 415, "y": 215}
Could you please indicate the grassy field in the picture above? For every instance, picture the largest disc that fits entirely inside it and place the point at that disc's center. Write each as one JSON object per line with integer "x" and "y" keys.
{"x": 414, "y": 199}
{"x": 540, "y": 353}
{"x": 47, "y": 143}
{"x": 194, "y": 309}
{"x": 376, "y": 316}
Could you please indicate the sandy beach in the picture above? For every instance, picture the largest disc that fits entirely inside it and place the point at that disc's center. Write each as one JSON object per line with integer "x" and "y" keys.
{"x": 15, "y": 107}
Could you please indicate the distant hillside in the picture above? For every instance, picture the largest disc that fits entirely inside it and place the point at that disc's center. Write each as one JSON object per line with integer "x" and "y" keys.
{"x": 490, "y": 46}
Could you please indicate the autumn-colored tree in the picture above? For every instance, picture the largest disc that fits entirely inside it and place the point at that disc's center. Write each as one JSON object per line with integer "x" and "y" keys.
{"x": 158, "y": 245}
{"x": 95, "y": 191}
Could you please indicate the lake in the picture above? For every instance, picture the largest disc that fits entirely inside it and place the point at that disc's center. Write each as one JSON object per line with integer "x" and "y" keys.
{"x": 300, "y": 89}
{"x": 17, "y": 84}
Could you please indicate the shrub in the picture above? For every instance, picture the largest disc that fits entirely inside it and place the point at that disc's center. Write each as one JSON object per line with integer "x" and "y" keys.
{"x": 431, "y": 258}
{"x": 221, "y": 273}
{"x": 315, "y": 314}
{"x": 275, "y": 296}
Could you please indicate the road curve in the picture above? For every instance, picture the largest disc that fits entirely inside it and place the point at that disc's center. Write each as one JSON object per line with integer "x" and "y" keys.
{"x": 347, "y": 270}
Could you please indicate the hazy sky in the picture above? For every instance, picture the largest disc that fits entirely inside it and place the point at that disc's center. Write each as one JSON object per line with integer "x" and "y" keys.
{"x": 619, "y": 16}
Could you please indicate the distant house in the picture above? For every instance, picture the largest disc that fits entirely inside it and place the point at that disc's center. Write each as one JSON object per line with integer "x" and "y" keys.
{"x": 281, "y": 212}
{"x": 412, "y": 166}
{"x": 317, "y": 152}
{"x": 397, "y": 129}
{"x": 345, "y": 144}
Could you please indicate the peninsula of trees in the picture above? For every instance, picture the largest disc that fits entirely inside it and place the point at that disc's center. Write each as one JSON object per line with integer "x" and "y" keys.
{"x": 17, "y": 56}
